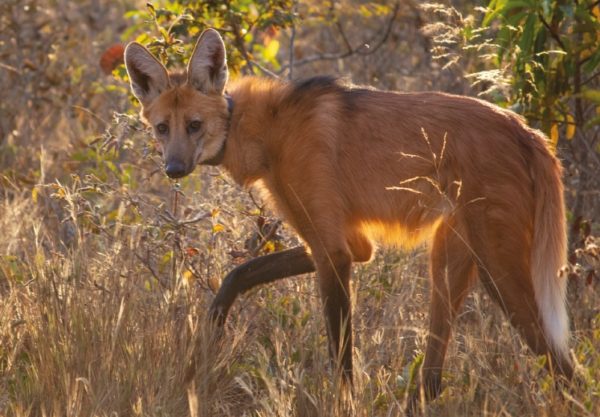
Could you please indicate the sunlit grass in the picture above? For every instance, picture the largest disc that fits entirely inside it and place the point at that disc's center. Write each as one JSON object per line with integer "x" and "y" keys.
{"x": 88, "y": 330}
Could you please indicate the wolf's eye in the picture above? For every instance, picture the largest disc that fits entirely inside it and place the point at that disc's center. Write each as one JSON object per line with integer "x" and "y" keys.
{"x": 162, "y": 128}
{"x": 194, "y": 126}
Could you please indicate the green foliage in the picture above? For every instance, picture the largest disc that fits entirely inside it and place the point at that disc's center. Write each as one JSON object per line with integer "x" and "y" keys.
{"x": 551, "y": 49}
{"x": 541, "y": 59}
{"x": 248, "y": 28}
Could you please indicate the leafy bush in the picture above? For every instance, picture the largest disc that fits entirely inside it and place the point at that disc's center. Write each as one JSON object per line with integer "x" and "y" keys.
{"x": 540, "y": 58}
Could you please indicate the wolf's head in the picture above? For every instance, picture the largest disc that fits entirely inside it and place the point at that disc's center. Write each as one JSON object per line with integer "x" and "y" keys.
{"x": 187, "y": 111}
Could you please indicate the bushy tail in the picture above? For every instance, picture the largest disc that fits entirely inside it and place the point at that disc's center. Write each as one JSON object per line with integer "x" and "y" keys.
{"x": 549, "y": 248}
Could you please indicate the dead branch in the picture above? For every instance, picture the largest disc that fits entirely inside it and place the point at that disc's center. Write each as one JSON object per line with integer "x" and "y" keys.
{"x": 363, "y": 49}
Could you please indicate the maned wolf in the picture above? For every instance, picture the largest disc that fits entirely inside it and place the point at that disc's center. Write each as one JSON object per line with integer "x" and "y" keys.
{"x": 348, "y": 166}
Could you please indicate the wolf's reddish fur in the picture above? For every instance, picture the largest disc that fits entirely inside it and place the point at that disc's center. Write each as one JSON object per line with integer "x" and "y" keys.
{"x": 347, "y": 167}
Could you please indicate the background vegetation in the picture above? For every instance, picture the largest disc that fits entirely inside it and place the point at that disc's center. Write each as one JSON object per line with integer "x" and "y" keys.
{"x": 107, "y": 268}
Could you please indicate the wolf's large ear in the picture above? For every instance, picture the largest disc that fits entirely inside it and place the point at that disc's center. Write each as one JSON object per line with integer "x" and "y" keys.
{"x": 147, "y": 75}
{"x": 207, "y": 69}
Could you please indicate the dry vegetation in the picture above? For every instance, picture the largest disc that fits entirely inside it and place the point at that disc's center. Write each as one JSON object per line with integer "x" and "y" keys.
{"x": 107, "y": 269}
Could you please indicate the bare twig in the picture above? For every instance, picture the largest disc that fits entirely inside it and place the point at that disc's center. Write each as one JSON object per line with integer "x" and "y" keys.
{"x": 91, "y": 113}
{"x": 591, "y": 78}
{"x": 146, "y": 263}
{"x": 265, "y": 70}
{"x": 340, "y": 28}
{"x": 239, "y": 43}
{"x": 259, "y": 206}
{"x": 553, "y": 33}
{"x": 175, "y": 201}
{"x": 590, "y": 150}
{"x": 360, "y": 50}
{"x": 266, "y": 237}
{"x": 9, "y": 68}
{"x": 292, "y": 40}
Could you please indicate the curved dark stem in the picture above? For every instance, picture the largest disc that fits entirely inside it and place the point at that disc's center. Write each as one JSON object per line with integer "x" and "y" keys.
{"x": 553, "y": 33}
{"x": 261, "y": 270}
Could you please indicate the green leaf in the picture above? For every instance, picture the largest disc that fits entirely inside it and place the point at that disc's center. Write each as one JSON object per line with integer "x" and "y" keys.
{"x": 591, "y": 95}
{"x": 526, "y": 41}
{"x": 592, "y": 63}
{"x": 516, "y": 18}
{"x": 503, "y": 40}
{"x": 594, "y": 121}
{"x": 495, "y": 8}
{"x": 513, "y": 4}
{"x": 151, "y": 9}
{"x": 270, "y": 51}
{"x": 553, "y": 136}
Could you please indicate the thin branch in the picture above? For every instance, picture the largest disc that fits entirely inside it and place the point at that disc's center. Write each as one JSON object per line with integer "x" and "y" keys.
{"x": 91, "y": 113}
{"x": 591, "y": 78}
{"x": 9, "y": 68}
{"x": 146, "y": 263}
{"x": 256, "y": 204}
{"x": 340, "y": 28}
{"x": 264, "y": 69}
{"x": 553, "y": 33}
{"x": 386, "y": 35}
{"x": 351, "y": 51}
{"x": 292, "y": 40}
{"x": 590, "y": 150}
{"x": 265, "y": 238}
{"x": 239, "y": 42}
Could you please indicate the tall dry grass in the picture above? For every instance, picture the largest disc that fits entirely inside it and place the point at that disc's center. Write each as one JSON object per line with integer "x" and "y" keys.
{"x": 89, "y": 329}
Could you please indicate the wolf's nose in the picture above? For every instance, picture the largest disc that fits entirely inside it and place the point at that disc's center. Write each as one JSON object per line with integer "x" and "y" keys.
{"x": 175, "y": 168}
